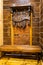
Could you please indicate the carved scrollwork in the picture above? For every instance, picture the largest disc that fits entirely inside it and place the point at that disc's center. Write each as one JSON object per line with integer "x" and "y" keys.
{"x": 20, "y": 19}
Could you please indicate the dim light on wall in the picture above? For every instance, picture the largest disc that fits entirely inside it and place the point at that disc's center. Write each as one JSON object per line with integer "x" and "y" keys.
{"x": 1, "y": 22}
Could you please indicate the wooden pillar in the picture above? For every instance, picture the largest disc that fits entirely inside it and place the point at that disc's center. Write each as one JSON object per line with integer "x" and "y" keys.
{"x": 31, "y": 30}
{"x": 11, "y": 31}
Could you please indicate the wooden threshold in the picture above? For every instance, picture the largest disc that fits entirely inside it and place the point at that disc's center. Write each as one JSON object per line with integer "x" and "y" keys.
{"x": 20, "y": 48}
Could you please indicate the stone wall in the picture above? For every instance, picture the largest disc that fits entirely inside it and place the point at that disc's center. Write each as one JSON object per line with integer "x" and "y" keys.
{"x": 6, "y": 23}
{"x": 41, "y": 25}
{"x": 36, "y": 21}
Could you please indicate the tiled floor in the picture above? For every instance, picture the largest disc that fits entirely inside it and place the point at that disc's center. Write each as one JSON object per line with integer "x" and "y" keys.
{"x": 17, "y": 61}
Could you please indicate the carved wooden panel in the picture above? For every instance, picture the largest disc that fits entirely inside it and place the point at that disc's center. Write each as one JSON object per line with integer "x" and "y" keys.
{"x": 21, "y": 27}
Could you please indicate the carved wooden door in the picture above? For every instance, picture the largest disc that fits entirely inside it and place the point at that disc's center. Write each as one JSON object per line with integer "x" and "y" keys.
{"x": 21, "y": 25}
